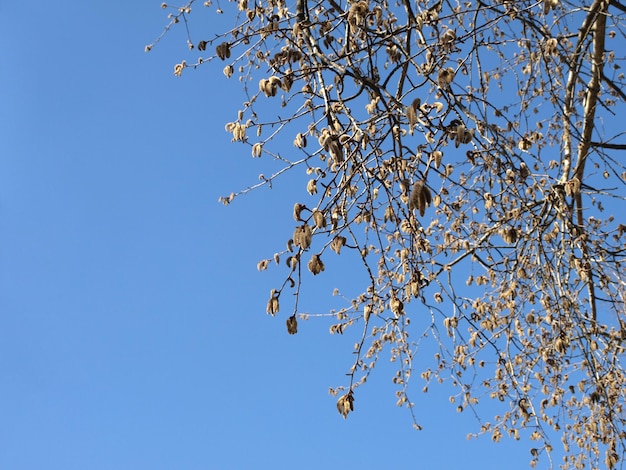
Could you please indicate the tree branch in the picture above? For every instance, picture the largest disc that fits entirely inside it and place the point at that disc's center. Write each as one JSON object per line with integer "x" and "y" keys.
{"x": 618, "y": 5}
{"x": 606, "y": 145}
{"x": 615, "y": 88}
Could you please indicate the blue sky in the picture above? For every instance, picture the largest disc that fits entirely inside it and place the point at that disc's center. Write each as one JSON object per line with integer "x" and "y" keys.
{"x": 133, "y": 332}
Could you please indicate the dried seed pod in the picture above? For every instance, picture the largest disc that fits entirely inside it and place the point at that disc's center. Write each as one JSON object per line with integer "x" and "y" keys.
{"x": 269, "y": 86}
{"x": 311, "y": 187}
{"x": 262, "y": 265}
{"x": 357, "y": 13}
{"x": 405, "y": 186}
{"x": 297, "y": 236}
{"x": 345, "y": 404}
{"x": 256, "y": 150}
{"x": 371, "y": 107}
{"x": 524, "y": 172}
{"x": 337, "y": 243}
{"x": 416, "y": 192}
{"x": 548, "y": 5}
{"x": 367, "y": 312}
{"x": 292, "y": 262}
{"x": 396, "y": 306}
{"x": 489, "y": 201}
{"x": 228, "y": 71}
{"x": 223, "y": 50}
{"x": 550, "y": 46}
{"x": 268, "y": 89}
{"x": 524, "y": 144}
{"x": 302, "y": 236}
{"x": 412, "y": 118}
{"x": 292, "y": 325}
{"x": 427, "y": 196}
{"x": 340, "y": 402}
{"x": 389, "y": 214}
{"x": 572, "y": 187}
{"x": 238, "y": 130}
{"x": 319, "y": 219}
{"x": 509, "y": 235}
{"x": 275, "y": 83}
{"x": 437, "y": 156}
{"x": 323, "y": 138}
{"x": 297, "y": 211}
{"x": 463, "y": 135}
{"x": 286, "y": 83}
{"x": 420, "y": 197}
{"x": 178, "y": 68}
{"x": 272, "y": 303}
{"x": 437, "y": 106}
{"x": 315, "y": 265}
{"x": 448, "y": 37}
{"x": 411, "y": 113}
{"x": 299, "y": 141}
{"x": 334, "y": 149}
{"x": 445, "y": 77}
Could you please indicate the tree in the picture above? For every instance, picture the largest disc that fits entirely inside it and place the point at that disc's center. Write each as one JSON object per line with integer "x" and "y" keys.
{"x": 464, "y": 154}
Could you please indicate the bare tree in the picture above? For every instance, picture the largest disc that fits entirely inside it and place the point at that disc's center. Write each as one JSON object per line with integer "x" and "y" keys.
{"x": 464, "y": 154}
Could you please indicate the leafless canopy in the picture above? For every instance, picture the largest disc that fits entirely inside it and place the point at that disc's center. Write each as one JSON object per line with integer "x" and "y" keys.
{"x": 469, "y": 156}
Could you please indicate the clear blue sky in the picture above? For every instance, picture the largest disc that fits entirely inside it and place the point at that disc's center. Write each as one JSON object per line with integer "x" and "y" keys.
{"x": 133, "y": 332}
